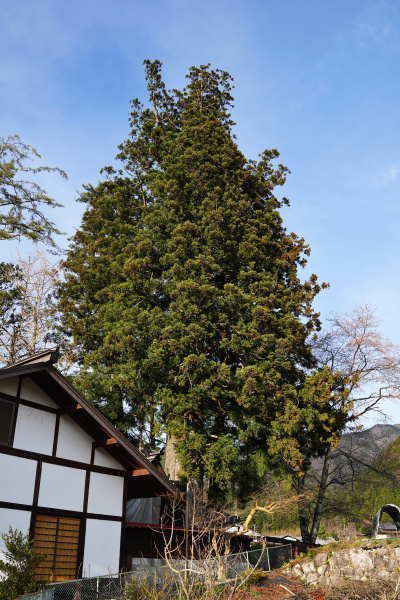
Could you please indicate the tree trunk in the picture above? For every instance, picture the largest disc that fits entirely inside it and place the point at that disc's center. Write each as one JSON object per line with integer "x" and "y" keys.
{"x": 303, "y": 517}
{"x": 194, "y": 499}
{"x": 141, "y": 444}
{"x": 321, "y": 496}
{"x": 309, "y": 535}
{"x": 152, "y": 434}
{"x": 172, "y": 465}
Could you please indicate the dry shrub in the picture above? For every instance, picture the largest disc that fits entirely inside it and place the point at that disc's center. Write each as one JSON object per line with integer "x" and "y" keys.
{"x": 309, "y": 594}
{"x": 373, "y": 589}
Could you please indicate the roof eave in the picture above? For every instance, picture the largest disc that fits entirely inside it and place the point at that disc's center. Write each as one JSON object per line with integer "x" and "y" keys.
{"x": 31, "y": 367}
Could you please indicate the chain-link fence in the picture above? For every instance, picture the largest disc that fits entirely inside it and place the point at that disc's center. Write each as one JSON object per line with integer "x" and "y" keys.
{"x": 163, "y": 574}
{"x": 269, "y": 559}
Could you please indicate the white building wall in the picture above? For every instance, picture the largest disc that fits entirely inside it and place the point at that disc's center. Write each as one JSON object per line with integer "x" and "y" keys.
{"x": 105, "y": 494}
{"x": 34, "y": 430}
{"x": 102, "y": 547}
{"x": 9, "y": 386}
{"x": 17, "y": 479}
{"x": 30, "y": 391}
{"x": 73, "y": 442}
{"x": 62, "y": 487}
{"x": 103, "y": 459}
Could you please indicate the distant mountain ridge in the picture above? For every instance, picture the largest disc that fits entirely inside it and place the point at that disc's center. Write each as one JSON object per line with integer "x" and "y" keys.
{"x": 372, "y": 441}
{"x": 359, "y": 449}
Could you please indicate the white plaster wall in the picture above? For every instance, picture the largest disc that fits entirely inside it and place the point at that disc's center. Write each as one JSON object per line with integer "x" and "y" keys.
{"x": 103, "y": 459}
{"x": 102, "y": 547}
{"x": 30, "y": 391}
{"x": 17, "y": 479}
{"x": 18, "y": 519}
{"x": 73, "y": 442}
{"x": 105, "y": 494}
{"x": 61, "y": 487}
{"x": 34, "y": 430}
{"x": 9, "y": 386}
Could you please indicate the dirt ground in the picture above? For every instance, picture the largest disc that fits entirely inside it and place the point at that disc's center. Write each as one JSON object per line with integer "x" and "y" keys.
{"x": 279, "y": 588}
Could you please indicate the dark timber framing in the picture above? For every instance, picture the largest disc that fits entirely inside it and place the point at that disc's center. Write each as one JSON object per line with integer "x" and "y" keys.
{"x": 35, "y": 497}
{"x": 149, "y": 481}
{"x": 41, "y": 370}
{"x": 62, "y": 462}
{"x": 122, "y": 543}
{"x": 56, "y": 430}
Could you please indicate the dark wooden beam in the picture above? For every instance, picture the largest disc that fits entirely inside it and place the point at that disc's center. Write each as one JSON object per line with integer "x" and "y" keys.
{"x": 64, "y": 462}
{"x": 69, "y": 409}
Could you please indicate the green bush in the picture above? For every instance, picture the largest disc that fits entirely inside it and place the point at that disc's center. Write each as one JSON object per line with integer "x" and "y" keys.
{"x": 251, "y": 577}
{"x": 18, "y": 568}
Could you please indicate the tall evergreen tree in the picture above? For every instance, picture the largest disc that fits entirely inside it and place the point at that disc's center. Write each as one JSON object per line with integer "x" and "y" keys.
{"x": 181, "y": 287}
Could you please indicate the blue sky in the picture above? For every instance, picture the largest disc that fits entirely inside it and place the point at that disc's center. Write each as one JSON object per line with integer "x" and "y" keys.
{"x": 316, "y": 80}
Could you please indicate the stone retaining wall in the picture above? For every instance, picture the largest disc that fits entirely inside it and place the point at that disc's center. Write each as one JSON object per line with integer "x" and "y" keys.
{"x": 358, "y": 563}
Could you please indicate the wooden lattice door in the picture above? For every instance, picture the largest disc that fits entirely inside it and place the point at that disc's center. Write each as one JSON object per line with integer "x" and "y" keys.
{"x": 58, "y": 538}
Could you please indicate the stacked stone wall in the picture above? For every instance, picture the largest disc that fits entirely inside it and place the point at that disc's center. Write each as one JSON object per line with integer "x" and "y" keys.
{"x": 361, "y": 564}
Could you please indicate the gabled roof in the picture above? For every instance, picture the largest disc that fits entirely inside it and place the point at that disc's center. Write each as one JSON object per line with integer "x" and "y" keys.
{"x": 148, "y": 480}
{"x": 50, "y": 355}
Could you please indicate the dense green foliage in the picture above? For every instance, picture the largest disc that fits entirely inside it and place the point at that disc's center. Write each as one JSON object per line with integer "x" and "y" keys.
{"x": 181, "y": 290}
{"x": 18, "y": 568}
{"x": 22, "y": 200}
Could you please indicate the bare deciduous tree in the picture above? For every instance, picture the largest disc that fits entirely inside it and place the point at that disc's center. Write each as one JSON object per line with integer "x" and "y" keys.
{"x": 27, "y": 320}
{"x": 355, "y": 346}
{"x": 365, "y": 370}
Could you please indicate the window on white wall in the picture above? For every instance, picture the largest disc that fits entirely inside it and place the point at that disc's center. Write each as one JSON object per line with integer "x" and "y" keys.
{"x": 6, "y": 419}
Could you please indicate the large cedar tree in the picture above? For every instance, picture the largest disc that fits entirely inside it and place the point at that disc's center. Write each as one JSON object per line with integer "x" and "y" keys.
{"x": 182, "y": 292}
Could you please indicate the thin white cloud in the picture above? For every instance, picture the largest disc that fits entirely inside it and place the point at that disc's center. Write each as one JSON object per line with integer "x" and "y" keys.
{"x": 388, "y": 174}
{"x": 374, "y": 26}
{"x": 372, "y": 175}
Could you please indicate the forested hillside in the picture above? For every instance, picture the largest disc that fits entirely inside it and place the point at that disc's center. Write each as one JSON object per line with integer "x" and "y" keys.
{"x": 378, "y": 486}
{"x": 366, "y": 475}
